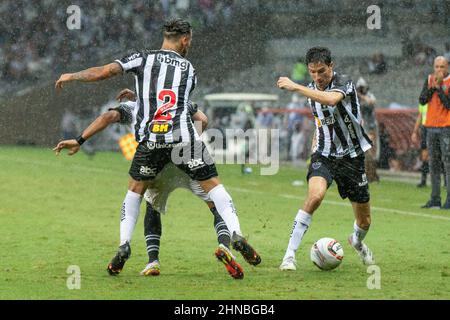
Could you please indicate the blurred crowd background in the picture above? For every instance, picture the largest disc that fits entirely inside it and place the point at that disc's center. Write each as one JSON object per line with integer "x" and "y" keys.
{"x": 238, "y": 46}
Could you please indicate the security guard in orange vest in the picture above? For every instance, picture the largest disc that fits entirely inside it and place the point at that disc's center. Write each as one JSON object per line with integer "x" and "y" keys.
{"x": 435, "y": 92}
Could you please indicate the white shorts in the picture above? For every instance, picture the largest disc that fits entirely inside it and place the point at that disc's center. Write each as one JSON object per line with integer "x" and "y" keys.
{"x": 169, "y": 179}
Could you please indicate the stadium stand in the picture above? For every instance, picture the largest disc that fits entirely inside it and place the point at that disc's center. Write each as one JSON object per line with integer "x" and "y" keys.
{"x": 259, "y": 41}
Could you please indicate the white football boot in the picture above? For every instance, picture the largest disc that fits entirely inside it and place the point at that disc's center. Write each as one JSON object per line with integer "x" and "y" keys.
{"x": 288, "y": 264}
{"x": 152, "y": 269}
{"x": 363, "y": 251}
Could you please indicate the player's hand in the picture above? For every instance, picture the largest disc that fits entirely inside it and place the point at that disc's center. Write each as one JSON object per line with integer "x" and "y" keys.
{"x": 286, "y": 83}
{"x": 437, "y": 79}
{"x": 126, "y": 94}
{"x": 415, "y": 138}
{"x": 66, "y": 77}
{"x": 72, "y": 145}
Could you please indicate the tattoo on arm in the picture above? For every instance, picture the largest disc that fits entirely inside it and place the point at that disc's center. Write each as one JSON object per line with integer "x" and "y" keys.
{"x": 98, "y": 73}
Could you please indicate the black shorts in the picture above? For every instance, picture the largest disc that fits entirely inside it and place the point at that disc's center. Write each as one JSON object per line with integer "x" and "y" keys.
{"x": 349, "y": 174}
{"x": 192, "y": 158}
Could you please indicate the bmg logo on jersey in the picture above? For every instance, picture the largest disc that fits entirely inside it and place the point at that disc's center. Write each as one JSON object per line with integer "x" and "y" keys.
{"x": 162, "y": 58}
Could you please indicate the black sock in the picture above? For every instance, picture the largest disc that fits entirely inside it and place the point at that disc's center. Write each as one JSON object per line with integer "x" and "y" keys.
{"x": 425, "y": 169}
{"x": 223, "y": 234}
{"x": 152, "y": 232}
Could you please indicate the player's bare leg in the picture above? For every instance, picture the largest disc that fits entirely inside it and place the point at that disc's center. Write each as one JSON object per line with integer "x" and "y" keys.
{"x": 361, "y": 227}
{"x": 128, "y": 219}
{"x": 224, "y": 205}
{"x": 317, "y": 188}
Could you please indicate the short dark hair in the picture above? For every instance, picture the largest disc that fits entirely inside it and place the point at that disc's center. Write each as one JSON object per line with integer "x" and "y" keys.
{"x": 318, "y": 54}
{"x": 175, "y": 28}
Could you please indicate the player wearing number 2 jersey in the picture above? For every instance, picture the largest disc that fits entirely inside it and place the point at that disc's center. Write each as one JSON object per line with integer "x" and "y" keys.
{"x": 164, "y": 81}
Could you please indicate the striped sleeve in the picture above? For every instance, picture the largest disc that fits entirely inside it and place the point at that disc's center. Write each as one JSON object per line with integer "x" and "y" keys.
{"x": 343, "y": 85}
{"x": 126, "y": 110}
{"x": 192, "y": 108}
{"x": 131, "y": 62}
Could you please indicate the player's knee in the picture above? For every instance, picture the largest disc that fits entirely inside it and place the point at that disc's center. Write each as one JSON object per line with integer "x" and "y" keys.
{"x": 313, "y": 201}
{"x": 137, "y": 186}
{"x": 210, "y": 184}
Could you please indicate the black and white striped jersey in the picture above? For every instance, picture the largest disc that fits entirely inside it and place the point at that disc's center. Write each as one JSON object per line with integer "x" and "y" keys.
{"x": 339, "y": 130}
{"x": 128, "y": 111}
{"x": 164, "y": 82}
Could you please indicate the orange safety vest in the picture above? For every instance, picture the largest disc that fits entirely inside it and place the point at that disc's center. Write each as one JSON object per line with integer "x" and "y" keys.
{"x": 437, "y": 115}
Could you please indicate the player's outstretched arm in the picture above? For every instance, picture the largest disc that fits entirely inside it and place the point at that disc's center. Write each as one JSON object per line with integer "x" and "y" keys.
{"x": 323, "y": 97}
{"x": 415, "y": 133}
{"x": 90, "y": 75}
{"x": 103, "y": 121}
{"x": 72, "y": 145}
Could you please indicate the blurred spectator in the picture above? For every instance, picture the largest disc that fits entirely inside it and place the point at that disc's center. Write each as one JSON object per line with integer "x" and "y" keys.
{"x": 367, "y": 102}
{"x": 182, "y": 6}
{"x": 264, "y": 119}
{"x": 419, "y": 128}
{"x": 387, "y": 153}
{"x": 377, "y": 64}
{"x": 430, "y": 55}
{"x": 295, "y": 127}
{"x": 165, "y": 5}
{"x": 407, "y": 43}
{"x": 300, "y": 72}
{"x": 227, "y": 11}
{"x": 424, "y": 54}
{"x": 245, "y": 116}
{"x": 207, "y": 8}
{"x": 68, "y": 125}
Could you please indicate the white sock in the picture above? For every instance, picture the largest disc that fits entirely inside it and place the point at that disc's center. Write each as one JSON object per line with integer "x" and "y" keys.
{"x": 130, "y": 214}
{"x": 358, "y": 234}
{"x": 301, "y": 224}
{"x": 225, "y": 207}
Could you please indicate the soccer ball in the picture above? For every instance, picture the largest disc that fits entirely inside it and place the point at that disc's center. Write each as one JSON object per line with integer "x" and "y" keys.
{"x": 327, "y": 254}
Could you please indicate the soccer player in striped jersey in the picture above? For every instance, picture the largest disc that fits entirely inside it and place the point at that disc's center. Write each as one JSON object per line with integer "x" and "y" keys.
{"x": 164, "y": 82}
{"x": 156, "y": 196}
{"x": 338, "y": 152}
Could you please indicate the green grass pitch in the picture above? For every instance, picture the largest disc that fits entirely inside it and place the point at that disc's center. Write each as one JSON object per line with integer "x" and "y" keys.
{"x": 62, "y": 211}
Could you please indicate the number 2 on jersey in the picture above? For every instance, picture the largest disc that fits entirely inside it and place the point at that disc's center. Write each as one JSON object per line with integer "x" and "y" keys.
{"x": 162, "y": 114}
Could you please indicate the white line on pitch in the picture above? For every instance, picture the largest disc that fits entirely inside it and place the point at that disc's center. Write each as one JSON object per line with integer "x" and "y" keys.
{"x": 344, "y": 204}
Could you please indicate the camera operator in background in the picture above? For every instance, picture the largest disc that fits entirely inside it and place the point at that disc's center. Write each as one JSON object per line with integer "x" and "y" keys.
{"x": 367, "y": 102}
